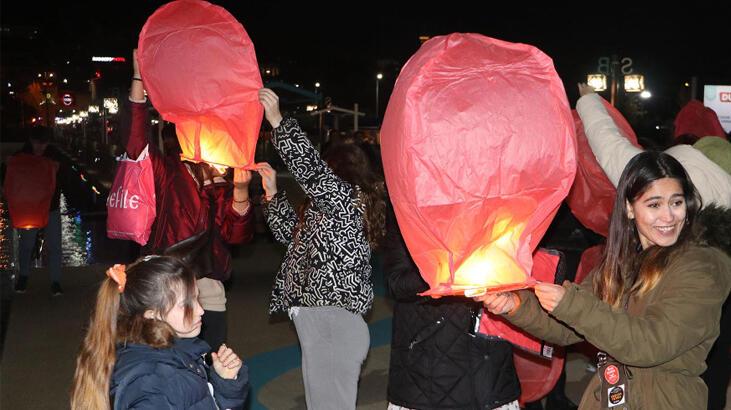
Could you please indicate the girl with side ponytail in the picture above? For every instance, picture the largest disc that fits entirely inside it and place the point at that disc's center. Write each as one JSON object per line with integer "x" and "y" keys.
{"x": 141, "y": 345}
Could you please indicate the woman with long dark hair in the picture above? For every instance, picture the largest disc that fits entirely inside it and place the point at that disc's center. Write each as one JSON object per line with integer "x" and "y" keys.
{"x": 652, "y": 306}
{"x": 324, "y": 282}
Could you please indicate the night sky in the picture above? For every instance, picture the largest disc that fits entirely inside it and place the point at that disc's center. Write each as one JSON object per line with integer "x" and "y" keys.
{"x": 344, "y": 49}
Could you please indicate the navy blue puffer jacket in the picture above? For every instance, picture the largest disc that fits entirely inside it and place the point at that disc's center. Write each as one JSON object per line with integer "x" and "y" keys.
{"x": 173, "y": 378}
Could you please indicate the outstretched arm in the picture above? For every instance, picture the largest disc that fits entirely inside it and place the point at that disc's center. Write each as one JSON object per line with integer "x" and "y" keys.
{"x": 139, "y": 124}
{"x": 684, "y": 315}
{"x": 329, "y": 193}
{"x": 612, "y": 150}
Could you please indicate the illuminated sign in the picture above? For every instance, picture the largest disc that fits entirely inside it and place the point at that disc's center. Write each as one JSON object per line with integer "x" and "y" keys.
{"x": 67, "y": 99}
{"x": 108, "y": 59}
{"x": 718, "y": 98}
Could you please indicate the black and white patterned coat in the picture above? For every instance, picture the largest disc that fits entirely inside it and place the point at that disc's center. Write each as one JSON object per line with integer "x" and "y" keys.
{"x": 328, "y": 259}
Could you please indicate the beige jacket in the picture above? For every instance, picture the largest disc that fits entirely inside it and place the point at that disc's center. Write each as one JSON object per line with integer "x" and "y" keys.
{"x": 613, "y": 152}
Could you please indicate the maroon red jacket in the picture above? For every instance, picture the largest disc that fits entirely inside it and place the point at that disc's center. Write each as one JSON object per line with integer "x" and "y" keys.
{"x": 183, "y": 208}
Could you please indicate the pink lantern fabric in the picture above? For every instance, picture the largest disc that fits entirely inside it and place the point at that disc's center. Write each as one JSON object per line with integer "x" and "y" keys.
{"x": 699, "y": 120}
{"x": 537, "y": 376}
{"x": 592, "y": 195}
{"x": 200, "y": 71}
{"x": 478, "y": 152}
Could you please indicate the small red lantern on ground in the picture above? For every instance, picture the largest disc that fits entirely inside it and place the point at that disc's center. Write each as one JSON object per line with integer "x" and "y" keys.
{"x": 200, "y": 71}
{"x": 478, "y": 152}
{"x": 30, "y": 182}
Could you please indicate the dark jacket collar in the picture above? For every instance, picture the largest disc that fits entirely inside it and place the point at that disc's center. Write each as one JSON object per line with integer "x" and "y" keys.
{"x": 712, "y": 228}
{"x": 188, "y": 346}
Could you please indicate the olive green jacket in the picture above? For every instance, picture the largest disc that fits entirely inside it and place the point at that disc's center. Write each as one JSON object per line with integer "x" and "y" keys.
{"x": 664, "y": 336}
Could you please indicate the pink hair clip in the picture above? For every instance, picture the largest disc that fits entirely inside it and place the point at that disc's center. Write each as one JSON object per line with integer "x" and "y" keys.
{"x": 119, "y": 275}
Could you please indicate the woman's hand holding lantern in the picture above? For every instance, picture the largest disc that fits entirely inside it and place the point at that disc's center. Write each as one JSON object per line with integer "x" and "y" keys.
{"x": 270, "y": 101}
{"x": 242, "y": 178}
{"x": 499, "y": 303}
{"x": 268, "y": 179}
{"x": 549, "y": 295}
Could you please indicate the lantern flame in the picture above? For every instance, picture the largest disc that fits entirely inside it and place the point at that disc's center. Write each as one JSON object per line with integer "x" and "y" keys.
{"x": 216, "y": 147}
{"x": 494, "y": 264}
{"x": 491, "y": 266}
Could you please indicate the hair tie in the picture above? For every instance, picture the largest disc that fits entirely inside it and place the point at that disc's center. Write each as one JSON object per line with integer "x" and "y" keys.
{"x": 119, "y": 275}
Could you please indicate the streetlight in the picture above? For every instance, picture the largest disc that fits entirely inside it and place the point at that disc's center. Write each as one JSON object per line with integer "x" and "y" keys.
{"x": 597, "y": 81}
{"x": 317, "y": 97}
{"x": 633, "y": 83}
{"x": 379, "y": 77}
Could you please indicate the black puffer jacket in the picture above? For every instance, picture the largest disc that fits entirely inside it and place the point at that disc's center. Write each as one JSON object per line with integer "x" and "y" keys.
{"x": 436, "y": 361}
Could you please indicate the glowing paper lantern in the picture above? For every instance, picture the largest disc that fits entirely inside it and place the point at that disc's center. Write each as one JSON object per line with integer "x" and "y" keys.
{"x": 478, "y": 152}
{"x": 592, "y": 195}
{"x": 30, "y": 182}
{"x": 200, "y": 71}
{"x": 699, "y": 120}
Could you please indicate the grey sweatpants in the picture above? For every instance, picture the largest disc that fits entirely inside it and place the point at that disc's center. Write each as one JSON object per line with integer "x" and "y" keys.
{"x": 334, "y": 343}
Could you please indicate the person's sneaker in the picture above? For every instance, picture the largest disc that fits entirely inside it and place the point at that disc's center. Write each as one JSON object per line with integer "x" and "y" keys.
{"x": 56, "y": 289}
{"x": 21, "y": 284}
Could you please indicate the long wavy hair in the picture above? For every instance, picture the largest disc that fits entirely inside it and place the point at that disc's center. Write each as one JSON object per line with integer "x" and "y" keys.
{"x": 627, "y": 269}
{"x": 351, "y": 163}
{"x": 153, "y": 283}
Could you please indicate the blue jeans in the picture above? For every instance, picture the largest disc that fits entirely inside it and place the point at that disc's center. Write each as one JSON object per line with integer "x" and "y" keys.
{"x": 52, "y": 243}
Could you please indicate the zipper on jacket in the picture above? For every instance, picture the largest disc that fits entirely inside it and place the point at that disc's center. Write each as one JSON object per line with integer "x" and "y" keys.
{"x": 426, "y": 332}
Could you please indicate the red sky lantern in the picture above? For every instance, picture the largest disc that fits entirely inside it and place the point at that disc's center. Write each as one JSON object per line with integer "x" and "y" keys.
{"x": 592, "y": 195}
{"x": 30, "y": 182}
{"x": 200, "y": 71}
{"x": 478, "y": 152}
